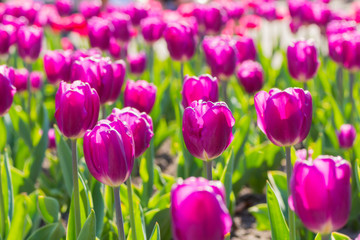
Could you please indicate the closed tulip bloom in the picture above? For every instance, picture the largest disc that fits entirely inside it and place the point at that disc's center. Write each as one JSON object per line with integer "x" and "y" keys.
{"x": 284, "y": 116}
{"x": 99, "y": 33}
{"x": 109, "y": 152}
{"x": 57, "y": 66}
{"x": 335, "y": 46}
{"x": 140, "y": 95}
{"x": 251, "y": 76}
{"x": 121, "y": 27}
{"x": 119, "y": 71}
{"x": 180, "y": 41}
{"x": 340, "y": 26}
{"x": 36, "y": 80}
{"x": 20, "y": 79}
{"x": 152, "y": 29}
{"x": 116, "y": 50}
{"x": 214, "y": 19}
{"x": 137, "y": 63}
{"x": 7, "y": 91}
{"x": 51, "y": 136}
{"x": 220, "y": 56}
{"x": 29, "y": 40}
{"x": 140, "y": 124}
{"x": 137, "y": 12}
{"x": 351, "y": 51}
{"x": 63, "y": 7}
{"x": 321, "y": 193}
{"x": 201, "y": 122}
{"x": 205, "y": 87}
{"x": 303, "y": 61}
{"x": 245, "y": 49}
{"x": 76, "y": 108}
{"x": 198, "y": 210}
{"x": 5, "y": 40}
{"x": 90, "y": 8}
{"x": 346, "y": 135}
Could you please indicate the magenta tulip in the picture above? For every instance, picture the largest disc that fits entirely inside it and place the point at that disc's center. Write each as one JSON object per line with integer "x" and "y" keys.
{"x": 36, "y": 80}
{"x": 251, "y": 76}
{"x": 214, "y": 19}
{"x": 57, "y": 66}
{"x": 152, "y": 29}
{"x": 20, "y": 79}
{"x": 140, "y": 95}
{"x": 63, "y": 7}
{"x": 109, "y": 152}
{"x": 284, "y": 116}
{"x": 198, "y": 210}
{"x": 90, "y": 8}
{"x": 321, "y": 193}
{"x": 77, "y": 108}
{"x": 99, "y": 30}
{"x": 7, "y": 91}
{"x": 351, "y": 51}
{"x": 140, "y": 124}
{"x": 245, "y": 49}
{"x": 137, "y": 63}
{"x": 116, "y": 50}
{"x": 340, "y": 26}
{"x": 121, "y": 27}
{"x": 201, "y": 122}
{"x": 51, "y": 136}
{"x": 335, "y": 45}
{"x": 346, "y": 135}
{"x": 302, "y": 61}
{"x": 137, "y": 12}
{"x": 205, "y": 87}
{"x": 29, "y": 40}
{"x": 5, "y": 40}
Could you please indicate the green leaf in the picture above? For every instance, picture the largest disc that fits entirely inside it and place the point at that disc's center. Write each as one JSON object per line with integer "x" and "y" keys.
{"x": 49, "y": 209}
{"x": 155, "y": 235}
{"x": 25, "y": 133}
{"x": 260, "y": 212}
{"x": 279, "y": 228}
{"x": 4, "y": 134}
{"x": 88, "y": 231}
{"x": 18, "y": 223}
{"x": 139, "y": 222}
{"x": 226, "y": 177}
{"x": 162, "y": 217}
{"x": 10, "y": 191}
{"x": 339, "y": 236}
{"x": 98, "y": 206}
{"x": 357, "y": 173}
{"x": 147, "y": 174}
{"x": 278, "y": 181}
{"x": 53, "y": 231}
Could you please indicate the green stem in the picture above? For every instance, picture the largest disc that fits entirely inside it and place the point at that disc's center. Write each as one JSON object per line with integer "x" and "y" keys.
{"x": 119, "y": 218}
{"x": 103, "y": 111}
{"x": 151, "y": 63}
{"x": 131, "y": 208}
{"x": 325, "y": 236}
{"x": 291, "y": 214}
{"x": 339, "y": 78}
{"x": 29, "y": 68}
{"x": 2, "y": 208}
{"x": 351, "y": 89}
{"x": 182, "y": 71}
{"x": 76, "y": 187}
{"x": 305, "y": 86}
{"x": 224, "y": 91}
{"x": 208, "y": 165}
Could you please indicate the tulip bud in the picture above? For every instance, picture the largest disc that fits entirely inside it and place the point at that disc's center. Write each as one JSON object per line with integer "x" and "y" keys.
{"x": 122, "y": 27}
{"x": 284, "y": 116}
{"x": 20, "y": 79}
{"x": 335, "y": 44}
{"x": 351, "y": 51}
{"x": 140, "y": 124}
{"x": 109, "y": 152}
{"x": 220, "y": 56}
{"x": 245, "y": 49}
{"x": 180, "y": 41}
{"x": 7, "y": 91}
{"x": 340, "y": 26}
{"x": 5, "y": 40}
{"x": 303, "y": 61}
{"x": 346, "y": 135}
{"x": 119, "y": 71}
{"x": 205, "y": 87}
{"x": 201, "y": 122}
{"x": 198, "y": 210}
{"x": 137, "y": 63}
{"x": 140, "y": 95}
{"x": 63, "y": 7}
{"x": 214, "y": 18}
{"x": 250, "y": 75}
{"x": 77, "y": 108}
{"x": 116, "y": 50}
{"x": 52, "y": 141}
{"x": 57, "y": 66}
{"x": 36, "y": 80}
{"x": 321, "y": 193}
{"x": 152, "y": 29}
{"x": 99, "y": 33}
{"x": 29, "y": 40}
{"x": 137, "y": 12}
{"x": 90, "y": 8}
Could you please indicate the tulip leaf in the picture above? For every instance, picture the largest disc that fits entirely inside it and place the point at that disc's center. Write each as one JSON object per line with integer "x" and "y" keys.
{"x": 147, "y": 174}
{"x": 99, "y": 206}
{"x": 25, "y": 133}
{"x": 155, "y": 235}
{"x": 357, "y": 173}
{"x": 10, "y": 192}
{"x": 88, "y": 231}
{"x": 260, "y": 212}
{"x": 3, "y": 132}
{"x": 49, "y": 209}
{"x": 18, "y": 223}
{"x": 279, "y": 228}
{"x": 278, "y": 181}
{"x": 339, "y": 236}
{"x": 226, "y": 177}
{"x": 162, "y": 217}
{"x": 53, "y": 231}
{"x": 139, "y": 222}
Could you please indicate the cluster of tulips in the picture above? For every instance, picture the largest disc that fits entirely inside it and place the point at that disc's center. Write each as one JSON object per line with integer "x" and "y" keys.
{"x": 128, "y": 42}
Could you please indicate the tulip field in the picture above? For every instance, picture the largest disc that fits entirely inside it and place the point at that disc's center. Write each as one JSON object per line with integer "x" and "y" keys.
{"x": 165, "y": 120}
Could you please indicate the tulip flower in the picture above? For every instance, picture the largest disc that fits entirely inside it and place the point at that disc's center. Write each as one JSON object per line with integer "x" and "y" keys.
{"x": 20, "y": 79}
{"x": 137, "y": 12}
{"x": 29, "y": 40}
{"x": 51, "y": 136}
{"x": 36, "y": 80}
{"x": 204, "y": 87}
{"x": 5, "y": 40}
{"x": 214, "y": 18}
{"x": 321, "y": 193}
{"x": 57, "y": 65}
{"x": 121, "y": 27}
{"x": 76, "y": 108}
{"x": 7, "y": 91}
{"x": 90, "y": 8}
{"x": 350, "y": 51}
{"x": 339, "y": 27}
{"x": 99, "y": 32}
{"x": 63, "y": 7}
{"x": 137, "y": 63}
{"x": 116, "y": 50}
{"x": 245, "y": 49}
{"x": 250, "y": 75}
{"x": 302, "y": 61}
{"x": 152, "y": 29}
{"x": 140, "y": 95}
{"x": 198, "y": 210}
{"x": 346, "y": 135}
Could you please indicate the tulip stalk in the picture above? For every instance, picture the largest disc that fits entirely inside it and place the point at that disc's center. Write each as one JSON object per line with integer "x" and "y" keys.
{"x": 2, "y": 208}
{"x": 325, "y": 236}
{"x": 131, "y": 208}
{"x": 29, "y": 68}
{"x": 119, "y": 218}
{"x": 208, "y": 165}
{"x": 339, "y": 78}
{"x": 103, "y": 111}
{"x": 76, "y": 188}
{"x": 291, "y": 214}
{"x": 224, "y": 85}
{"x": 182, "y": 71}
{"x": 151, "y": 63}
{"x": 351, "y": 94}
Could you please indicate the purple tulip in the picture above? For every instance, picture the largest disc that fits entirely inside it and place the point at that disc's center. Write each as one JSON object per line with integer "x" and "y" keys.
{"x": 109, "y": 152}
{"x": 137, "y": 12}
{"x": 303, "y": 61}
{"x": 122, "y": 27}
{"x": 51, "y": 136}
{"x": 220, "y": 55}
{"x": 17, "y": 22}
{"x": 152, "y": 29}
{"x": 346, "y": 135}
{"x": 340, "y": 26}
{"x": 36, "y": 80}
{"x": 116, "y": 50}
{"x": 251, "y": 76}
{"x": 235, "y": 10}
{"x": 5, "y": 40}
{"x": 351, "y": 51}
{"x": 335, "y": 45}
{"x": 205, "y": 87}
{"x": 214, "y": 19}
{"x": 90, "y": 8}
{"x": 29, "y": 40}
{"x": 12, "y": 31}
{"x": 119, "y": 71}
{"x": 20, "y": 79}
{"x": 63, "y": 7}
{"x": 198, "y": 210}
{"x": 140, "y": 95}
{"x": 141, "y": 126}
{"x": 7, "y": 91}
{"x": 77, "y": 108}
{"x": 99, "y": 30}
{"x": 180, "y": 41}
{"x": 284, "y": 116}
{"x": 137, "y": 63}
{"x": 245, "y": 49}
{"x": 321, "y": 193}
{"x": 267, "y": 10}
{"x": 57, "y": 65}
{"x": 201, "y": 122}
